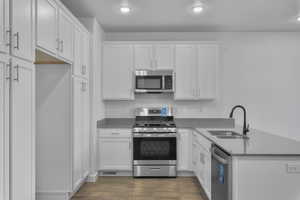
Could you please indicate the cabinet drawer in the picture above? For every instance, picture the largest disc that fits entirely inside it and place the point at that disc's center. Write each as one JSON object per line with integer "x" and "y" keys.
{"x": 114, "y": 133}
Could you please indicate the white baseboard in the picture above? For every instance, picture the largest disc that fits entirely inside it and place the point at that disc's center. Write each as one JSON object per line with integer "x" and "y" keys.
{"x": 185, "y": 174}
{"x": 92, "y": 178}
{"x": 53, "y": 195}
{"x": 129, "y": 173}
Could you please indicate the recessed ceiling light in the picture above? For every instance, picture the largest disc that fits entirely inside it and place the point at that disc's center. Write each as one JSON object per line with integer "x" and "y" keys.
{"x": 298, "y": 18}
{"x": 197, "y": 9}
{"x": 125, "y": 9}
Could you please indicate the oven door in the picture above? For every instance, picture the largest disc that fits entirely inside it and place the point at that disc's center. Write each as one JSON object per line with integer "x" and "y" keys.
{"x": 154, "y": 150}
{"x": 153, "y": 83}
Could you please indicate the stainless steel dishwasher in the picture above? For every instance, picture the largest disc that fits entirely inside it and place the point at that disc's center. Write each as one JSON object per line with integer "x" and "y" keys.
{"x": 221, "y": 175}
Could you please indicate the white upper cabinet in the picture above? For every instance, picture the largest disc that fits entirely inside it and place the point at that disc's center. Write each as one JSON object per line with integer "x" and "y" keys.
{"x": 143, "y": 56}
{"x": 185, "y": 66}
{"x": 207, "y": 71}
{"x": 196, "y": 71}
{"x": 78, "y": 58}
{"x": 153, "y": 57}
{"x": 118, "y": 72}
{"x": 47, "y": 24}
{"x": 164, "y": 56}
{"x": 66, "y": 32}
{"x": 85, "y": 55}
{"x": 4, "y": 26}
{"x": 23, "y": 29}
{"x": 55, "y": 30}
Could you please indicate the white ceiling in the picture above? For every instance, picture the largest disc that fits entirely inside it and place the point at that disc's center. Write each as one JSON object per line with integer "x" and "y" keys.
{"x": 174, "y": 15}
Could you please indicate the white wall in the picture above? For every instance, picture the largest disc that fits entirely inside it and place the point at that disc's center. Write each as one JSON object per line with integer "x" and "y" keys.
{"x": 97, "y": 105}
{"x": 258, "y": 69}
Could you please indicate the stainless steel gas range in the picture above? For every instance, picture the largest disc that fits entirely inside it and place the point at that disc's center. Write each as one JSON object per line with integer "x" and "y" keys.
{"x": 154, "y": 143}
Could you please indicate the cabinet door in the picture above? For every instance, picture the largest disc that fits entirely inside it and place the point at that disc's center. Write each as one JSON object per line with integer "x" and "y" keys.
{"x": 164, "y": 56}
{"x": 4, "y": 26}
{"x": 47, "y": 24}
{"x": 184, "y": 150}
{"x": 77, "y": 132}
{"x": 194, "y": 157}
{"x": 85, "y": 55}
{"x": 143, "y": 57}
{"x": 22, "y": 132}
{"x": 207, "y": 71}
{"x": 118, "y": 72}
{"x": 114, "y": 154}
{"x": 201, "y": 166}
{"x": 185, "y": 65}
{"x": 207, "y": 173}
{"x": 78, "y": 52}
{"x": 23, "y": 29}
{"x": 66, "y": 33}
{"x": 4, "y": 128}
{"x": 86, "y": 129}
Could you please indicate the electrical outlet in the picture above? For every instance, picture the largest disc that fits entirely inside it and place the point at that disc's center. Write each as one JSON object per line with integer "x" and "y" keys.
{"x": 293, "y": 168}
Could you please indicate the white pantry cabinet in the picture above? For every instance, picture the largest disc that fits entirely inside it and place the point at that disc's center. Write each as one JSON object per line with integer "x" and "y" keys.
{"x": 47, "y": 26}
{"x": 23, "y": 28}
{"x": 81, "y": 53}
{"x": 81, "y": 131}
{"x": 4, "y": 26}
{"x": 115, "y": 150}
{"x": 153, "y": 56}
{"x": 184, "y": 150}
{"x": 118, "y": 80}
{"x": 22, "y": 149}
{"x": 4, "y": 127}
{"x": 196, "y": 71}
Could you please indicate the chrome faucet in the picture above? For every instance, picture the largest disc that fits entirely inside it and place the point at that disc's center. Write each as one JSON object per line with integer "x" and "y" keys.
{"x": 245, "y": 127}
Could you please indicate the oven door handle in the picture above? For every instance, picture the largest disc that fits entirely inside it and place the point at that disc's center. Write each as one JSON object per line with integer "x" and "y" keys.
{"x": 219, "y": 158}
{"x": 154, "y": 135}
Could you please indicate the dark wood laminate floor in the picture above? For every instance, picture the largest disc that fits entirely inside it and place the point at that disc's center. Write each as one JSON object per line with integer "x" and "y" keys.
{"x": 128, "y": 188}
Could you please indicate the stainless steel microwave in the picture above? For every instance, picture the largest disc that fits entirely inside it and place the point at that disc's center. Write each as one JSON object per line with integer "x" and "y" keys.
{"x": 154, "y": 81}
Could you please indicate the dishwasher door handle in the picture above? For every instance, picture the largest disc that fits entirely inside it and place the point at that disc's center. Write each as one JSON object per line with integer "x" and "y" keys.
{"x": 219, "y": 158}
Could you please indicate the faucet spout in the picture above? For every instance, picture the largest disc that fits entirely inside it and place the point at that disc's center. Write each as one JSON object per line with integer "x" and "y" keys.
{"x": 245, "y": 127}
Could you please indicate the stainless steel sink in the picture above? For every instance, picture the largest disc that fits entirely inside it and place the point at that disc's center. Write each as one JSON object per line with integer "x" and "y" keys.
{"x": 226, "y": 134}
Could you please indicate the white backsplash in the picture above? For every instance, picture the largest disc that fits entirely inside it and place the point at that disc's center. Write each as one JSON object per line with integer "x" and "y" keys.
{"x": 183, "y": 109}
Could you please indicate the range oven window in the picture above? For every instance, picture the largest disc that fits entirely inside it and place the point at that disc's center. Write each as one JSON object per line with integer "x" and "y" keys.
{"x": 149, "y": 82}
{"x": 154, "y": 148}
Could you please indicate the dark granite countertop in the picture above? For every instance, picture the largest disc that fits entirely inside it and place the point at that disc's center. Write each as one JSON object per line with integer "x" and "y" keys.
{"x": 258, "y": 144}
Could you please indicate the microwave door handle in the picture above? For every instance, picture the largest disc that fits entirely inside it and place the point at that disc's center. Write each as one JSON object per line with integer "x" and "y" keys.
{"x": 163, "y": 82}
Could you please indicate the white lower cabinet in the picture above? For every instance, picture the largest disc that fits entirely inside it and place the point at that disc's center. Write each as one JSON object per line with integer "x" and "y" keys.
{"x": 115, "y": 150}
{"x": 183, "y": 150}
{"x": 201, "y": 161}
